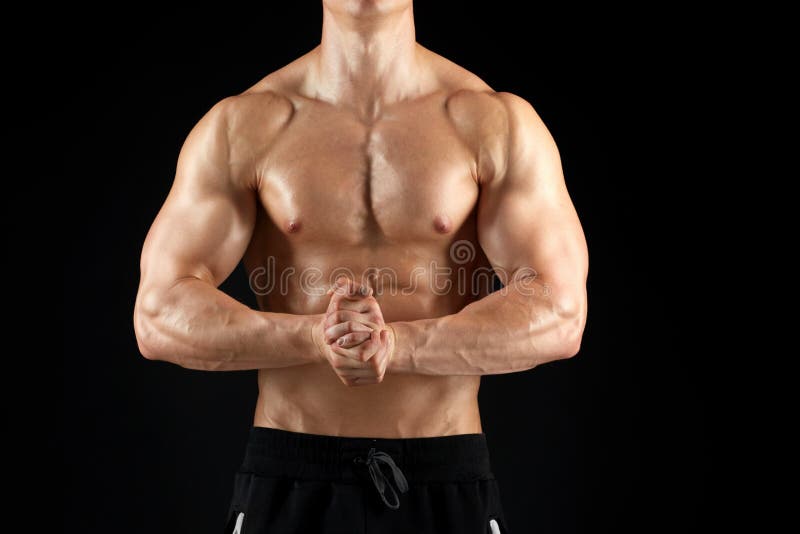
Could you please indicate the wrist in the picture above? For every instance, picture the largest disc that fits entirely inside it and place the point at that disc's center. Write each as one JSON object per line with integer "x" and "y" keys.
{"x": 392, "y": 340}
{"x": 401, "y": 347}
{"x": 316, "y": 333}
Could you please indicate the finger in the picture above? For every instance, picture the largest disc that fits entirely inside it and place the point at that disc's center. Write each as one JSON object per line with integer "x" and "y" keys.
{"x": 347, "y": 381}
{"x": 363, "y": 352}
{"x": 375, "y": 352}
{"x": 359, "y": 382}
{"x": 340, "y": 296}
{"x": 378, "y": 358}
{"x": 347, "y": 286}
{"x": 361, "y": 304}
{"x": 383, "y": 351}
{"x": 384, "y": 337}
{"x": 357, "y": 373}
{"x": 367, "y": 381}
{"x": 343, "y": 316}
{"x": 368, "y": 308}
{"x": 332, "y": 333}
{"x": 352, "y": 339}
{"x": 343, "y": 365}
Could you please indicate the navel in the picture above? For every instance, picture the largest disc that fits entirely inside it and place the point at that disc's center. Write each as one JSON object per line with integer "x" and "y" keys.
{"x": 442, "y": 224}
{"x": 293, "y": 226}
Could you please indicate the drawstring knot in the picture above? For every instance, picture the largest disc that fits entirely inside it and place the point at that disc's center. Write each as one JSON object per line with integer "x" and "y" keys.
{"x": 373, "y": 462}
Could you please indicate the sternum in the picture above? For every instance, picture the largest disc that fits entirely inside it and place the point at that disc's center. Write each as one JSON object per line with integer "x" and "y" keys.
{"x": 369, "y": 223}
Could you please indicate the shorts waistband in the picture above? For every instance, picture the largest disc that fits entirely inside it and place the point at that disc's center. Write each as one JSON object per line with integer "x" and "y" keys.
{"x": 280, "y": 453}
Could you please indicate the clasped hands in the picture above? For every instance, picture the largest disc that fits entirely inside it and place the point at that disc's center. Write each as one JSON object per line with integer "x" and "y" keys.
{"x": 352, "y": 335}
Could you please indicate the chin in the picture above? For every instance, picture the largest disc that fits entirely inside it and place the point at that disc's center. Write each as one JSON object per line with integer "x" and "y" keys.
{"x": 367, "y": 7}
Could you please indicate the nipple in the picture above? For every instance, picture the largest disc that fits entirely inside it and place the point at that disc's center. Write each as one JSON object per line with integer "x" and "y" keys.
{"x": 442, "y": 224}
{"x": 293, "y": 226}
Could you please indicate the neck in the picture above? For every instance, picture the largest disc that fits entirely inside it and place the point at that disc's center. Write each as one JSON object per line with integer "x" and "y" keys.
{"x": 366, "y": 62}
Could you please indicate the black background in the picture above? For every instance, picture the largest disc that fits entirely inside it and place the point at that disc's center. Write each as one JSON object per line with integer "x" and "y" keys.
{"x": 611, "y": 441}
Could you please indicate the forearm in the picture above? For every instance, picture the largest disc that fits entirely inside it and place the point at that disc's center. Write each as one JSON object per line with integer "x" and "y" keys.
{"x": 507, "y": 331}
{"x": 195, "y": 325}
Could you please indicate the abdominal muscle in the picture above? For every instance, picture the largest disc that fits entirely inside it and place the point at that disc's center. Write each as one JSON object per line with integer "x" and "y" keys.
{"x": 312, "y": 399}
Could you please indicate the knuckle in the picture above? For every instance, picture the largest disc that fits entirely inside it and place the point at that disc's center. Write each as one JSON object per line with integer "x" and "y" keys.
{"x": 340, "y": 294}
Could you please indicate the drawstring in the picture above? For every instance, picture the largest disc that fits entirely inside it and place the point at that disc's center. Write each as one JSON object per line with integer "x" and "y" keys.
{"x": 382, "y": 484}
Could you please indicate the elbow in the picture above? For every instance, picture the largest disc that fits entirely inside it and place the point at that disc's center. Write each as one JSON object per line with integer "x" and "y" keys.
{"x": 145, "y": 318}
{"x": 572, "y": 312}
{"x": 571, "y": 346}
{"x": 144, "y": 339}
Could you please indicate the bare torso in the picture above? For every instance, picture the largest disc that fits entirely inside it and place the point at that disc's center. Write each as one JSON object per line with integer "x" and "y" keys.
{"x": 373, "y": 158}
{"x": 386, "y": 200}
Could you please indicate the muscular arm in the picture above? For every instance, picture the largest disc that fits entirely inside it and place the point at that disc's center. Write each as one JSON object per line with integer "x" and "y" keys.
{"x": 526, "y": 222}
{"x": 196, "y": 241}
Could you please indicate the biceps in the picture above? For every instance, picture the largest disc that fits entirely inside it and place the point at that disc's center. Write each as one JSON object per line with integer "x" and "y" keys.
{"x": 533, "y": 229}
{"x": 198, "y": 234}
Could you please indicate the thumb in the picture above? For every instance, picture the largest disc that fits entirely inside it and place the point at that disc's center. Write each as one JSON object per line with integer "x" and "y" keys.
{"x": 376, "y": 339}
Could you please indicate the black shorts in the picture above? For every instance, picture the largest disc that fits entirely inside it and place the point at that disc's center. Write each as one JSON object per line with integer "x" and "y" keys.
{"x": 308, "y": 484}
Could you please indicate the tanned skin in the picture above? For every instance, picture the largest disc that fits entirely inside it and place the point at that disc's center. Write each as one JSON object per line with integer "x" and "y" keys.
{"x": 369, "y": 154}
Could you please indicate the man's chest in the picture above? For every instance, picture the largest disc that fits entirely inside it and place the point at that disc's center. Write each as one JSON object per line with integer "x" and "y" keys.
{"x": 406, "y": 175}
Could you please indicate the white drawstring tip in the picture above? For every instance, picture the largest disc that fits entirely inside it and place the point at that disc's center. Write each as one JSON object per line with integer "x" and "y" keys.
{"x": 237, "y": 529}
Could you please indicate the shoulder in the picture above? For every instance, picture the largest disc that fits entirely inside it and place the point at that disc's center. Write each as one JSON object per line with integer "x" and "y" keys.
{"x": 490, "y": 123}
{"x": 251, "y": 111}
{"x": 500, "y": 126}
{"x": 521, "y": 116}
{"x": 496, "y": 112}
{"x": 229, "y": 135}
{"x": 237, "y": 128}
{"x": 528, "y": 140}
